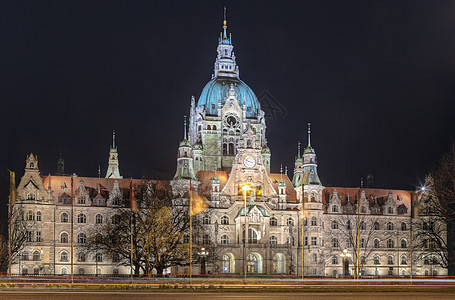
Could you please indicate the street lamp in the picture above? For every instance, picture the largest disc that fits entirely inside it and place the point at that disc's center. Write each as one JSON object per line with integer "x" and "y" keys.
{"x": 245, "y": 189}
{"x": 203, "y": 254}
{"x": 346, "y": 256}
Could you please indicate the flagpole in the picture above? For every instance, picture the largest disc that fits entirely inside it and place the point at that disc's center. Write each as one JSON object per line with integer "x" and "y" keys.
{"x": 131, "y": 229}
{"x": 72, "y": 228}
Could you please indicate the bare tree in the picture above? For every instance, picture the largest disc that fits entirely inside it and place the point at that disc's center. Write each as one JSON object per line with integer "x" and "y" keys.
{"x": 155, "y": 232}
{"x": 358, "y": 234}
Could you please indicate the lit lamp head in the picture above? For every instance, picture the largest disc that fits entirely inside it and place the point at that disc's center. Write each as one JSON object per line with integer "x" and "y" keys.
{"x": 246, "y": 188}
{"x": 345, "y": 253}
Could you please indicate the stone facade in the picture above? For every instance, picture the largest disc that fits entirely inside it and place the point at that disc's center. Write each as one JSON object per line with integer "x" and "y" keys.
{"x": 225, "y": 158}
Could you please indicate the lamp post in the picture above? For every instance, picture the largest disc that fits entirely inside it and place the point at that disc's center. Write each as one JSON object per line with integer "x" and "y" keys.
{"x": 245, "y": 189}
{"x": 346, "y": 256}
{"x": 203, "y": 254}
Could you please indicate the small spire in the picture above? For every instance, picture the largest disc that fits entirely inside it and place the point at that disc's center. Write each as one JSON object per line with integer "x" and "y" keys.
{"x": 286, "y": 170}
{"x": 298, "y": 149}
{"x": 281, "y": 172}
{"x": 309, "y": 134}
{"x": 113, "y": 139}
{"x": 361, "y": 182}
{"x": 184, "y": 127}
{"x": 216, "y": 178}
{"x": 99, "y": 171}
{"x": 99, "y": 188}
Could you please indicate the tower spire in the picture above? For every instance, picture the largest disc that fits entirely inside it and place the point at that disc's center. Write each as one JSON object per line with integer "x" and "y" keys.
{"x": 224, "y": 25}
{"x": 298, "y": 149}
{"x": 184, "y": 128}
{"x": 113, "y": 139}
{"x": 281, "y": 172}
{"x": 309, "y": 134}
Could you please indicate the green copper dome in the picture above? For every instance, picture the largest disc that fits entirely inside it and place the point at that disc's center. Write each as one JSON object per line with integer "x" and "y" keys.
{"x": 218, "y": 88}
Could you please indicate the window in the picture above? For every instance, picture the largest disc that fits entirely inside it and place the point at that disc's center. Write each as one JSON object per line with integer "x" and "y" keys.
{"x": 362, "y": 243}
{"x": 363, "y": 226}
{"x": 404, "y": 261}
{"x": 305, "y": 241}
{"x": 390, "y": 210}
{"x": 81, "y": 271}
{"x": 186, "y": 238}
{"x": 30, "y": 216}
{"x": 64, "y": 237}
{"x": 36, "y": 255}
{"x": 99, "y": 257}
{"x": 348, "y": 224}
{"x": 313, "y": 241}
{"x": 376, "y": 243}
{"x": 403, "y": 244}
{"x": 206, "y": 219}
{"x": 348, "y": 243}
{"x": 389, "y": 243}
{"x": 81, "y": 257}
{"x": 25, "y": 255}
{"x": 25, "y": 271}
{"x": 36, "y": 271}
{"x": 376, "y": 225}
{"x": 314, "y": 257}
{"x": 99, "y": 219}
{"x": 64, "y": 218}
{"x": 115, "y": 271}
{"x": 273, "y": 221}
{"x": 81, "y": 200}
{"x": 389, "y": 226}
{"x": 390, "y": 260}
{"x": 64, "y": 256}
{"x": 224, "y": 239}
{"x": 29, "y": 236}
{"x": 81, "y": 238}
{"x": 38, "y": 236}
{"x": 290, "y": 221}
{"x": 334, "y": 260}
{"x": 376, "y": 260}
{"x": 273, "y": 240}
{"x": 81, "y": 218}
{"x": 98, "y": 271}
{"x": 314, "y": 222}
{"x": 206, "y": 239}
{"x": 403, "y": 226}
{"x": 38, "y": 216}
{"x": 335, "y": 208}
{"x": 224, "y": 220}
{"x": 335, "y": 243}
{"x": 334, "y": 224}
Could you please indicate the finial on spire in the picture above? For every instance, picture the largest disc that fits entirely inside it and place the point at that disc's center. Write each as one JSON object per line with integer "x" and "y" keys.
{"x": 224, "y": 24}
{"x": 309, "y": 134}
{"x": 286, "y": 170}
{"x": 99, "y": 171}
{"x": 113, "y": 139}
{"x": 216, "y": 178}
{"x": 281, "y": 172}
{"x": 184, "y": 127}
{"x": 298, "y": 149}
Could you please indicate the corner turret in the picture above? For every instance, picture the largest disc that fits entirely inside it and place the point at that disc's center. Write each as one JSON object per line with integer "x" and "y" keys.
{"x": 113, "y": 170}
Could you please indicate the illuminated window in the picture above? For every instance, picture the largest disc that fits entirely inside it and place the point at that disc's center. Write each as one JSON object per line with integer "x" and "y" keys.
{"x": 225, "y": 220}
{"x": 224, "y": 239}
{"x": 273, "y": 221}
{"x": 64, "y": 218}
{"x": 273, "y": 240}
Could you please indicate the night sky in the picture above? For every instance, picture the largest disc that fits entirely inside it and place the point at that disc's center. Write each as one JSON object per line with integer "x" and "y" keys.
{"x": 375, "y": 79}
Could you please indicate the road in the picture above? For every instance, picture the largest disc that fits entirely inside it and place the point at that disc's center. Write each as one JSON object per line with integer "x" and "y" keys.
{"x": 71, "y": 295}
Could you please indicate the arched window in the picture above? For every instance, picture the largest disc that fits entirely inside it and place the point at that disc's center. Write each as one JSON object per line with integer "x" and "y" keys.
{"x": 389, "y": 226}
{"x": 390, "y": 210}
{"x": 64, "y": 218}
{"x": 290, "y": 221}
{"x": 30, "y": 216}
{"x": 252, "y": 236}
{"x": 64, "y": 256}
{"x": 376, "y": 243}
{"x": 334, "y": 224}
{"x": 363, "y": 226}
{"x": 64, "y": 271}
{"x": 404, "y": 261}
{"x": 390, "y": 260}
{"x": 81, "y": 257}
{"x": 225, "y": 152}
{"x": 99, "y": 257}
{"x": 115, "y": 271}
{"x": 314, "y": 257}
{"x": 389, "y": 243}
{"x": 231, "y": 149}
{"x": 64, "y": 237}
{"x": 362, "y": 243}
{"x": 376, "y": 260}
{"x": 36, "y": 255}
{"x": 206, "y": 220}
{"x": 81, "y": 238}
{"x": 273, "y": 240}
{"x": 403, "y": 244}
{"x": 273, "y": 221}
{"x": 314, "y": 221}
{"x": 213, "y": 127}
{"x": 225, "y": 220}
{"x": 209, "y": 127}
{"x": 348, "y": 243}
{"x": 36, "y": 271}
{"x": 334, "y": 260}
{"x": 38, "y": 216}
{"x": 348, "y": 224}
{"x": 224, "y": 239}
{"x": 403, "y": 226}
{"x": 25, "y": 255}
{"x": 435, "y": 273}
{"x": 376, "y": 225}
{"x": 81, "y": 218}
{"x": 99, "y": 219}
{"x": 81, "y": 271}
{"x": 335, "y": 243}
{"x": 335, "y": 208}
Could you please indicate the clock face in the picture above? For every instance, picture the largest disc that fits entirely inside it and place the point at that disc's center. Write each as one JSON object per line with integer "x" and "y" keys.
{"x": 231, "y": 121}
{"x": 249, "y": 161}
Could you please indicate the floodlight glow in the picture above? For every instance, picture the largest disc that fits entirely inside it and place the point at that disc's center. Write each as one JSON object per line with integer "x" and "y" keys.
{"x": 246, "y": 188}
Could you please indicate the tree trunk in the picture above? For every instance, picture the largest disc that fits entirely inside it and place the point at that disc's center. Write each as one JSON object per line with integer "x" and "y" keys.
{"x": 159, "y": 270}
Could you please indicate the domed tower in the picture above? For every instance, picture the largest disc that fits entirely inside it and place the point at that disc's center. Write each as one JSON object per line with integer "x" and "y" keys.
{"x": 222, "y": 112}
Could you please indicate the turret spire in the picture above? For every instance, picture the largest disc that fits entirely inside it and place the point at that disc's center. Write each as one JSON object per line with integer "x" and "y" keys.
{"x": 298, "y": 149}
{"x": 281, "y": 172}
{"x": 309, "y": 134}
{"x": 224, "y": 25}
{"x": 184, "y": 128}
{"x": 113, "y": 139}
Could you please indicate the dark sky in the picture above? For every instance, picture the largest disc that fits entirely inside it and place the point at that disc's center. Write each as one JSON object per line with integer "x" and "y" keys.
{"x": 375, "y": 79}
